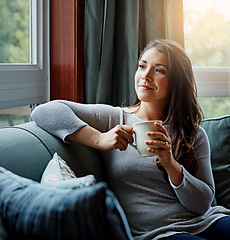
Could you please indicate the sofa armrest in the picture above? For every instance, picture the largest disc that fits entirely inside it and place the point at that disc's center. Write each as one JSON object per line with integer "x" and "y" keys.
{"x": 218, "y": 131}
{"x": 26, "y": 150}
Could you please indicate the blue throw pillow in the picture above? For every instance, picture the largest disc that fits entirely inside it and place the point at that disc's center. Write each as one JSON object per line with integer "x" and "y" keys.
{"x": 34, "y": 211}
{"x": 3, "y": 233}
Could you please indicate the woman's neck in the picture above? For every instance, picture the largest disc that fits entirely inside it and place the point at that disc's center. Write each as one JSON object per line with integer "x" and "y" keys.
{"x": 150, "y": 111}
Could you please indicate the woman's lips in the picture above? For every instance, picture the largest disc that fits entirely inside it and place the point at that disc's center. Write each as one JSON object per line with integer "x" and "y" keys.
{"x": 144, "y": 87}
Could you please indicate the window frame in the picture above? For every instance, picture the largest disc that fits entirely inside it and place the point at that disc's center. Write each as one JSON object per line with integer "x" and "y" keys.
{"x": 67, "y": 64}
{"x": 212, "y": 81}
{"x": 27, "y": 84}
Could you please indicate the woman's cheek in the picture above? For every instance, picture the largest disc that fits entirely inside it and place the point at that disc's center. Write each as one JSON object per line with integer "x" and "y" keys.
{"x": 136, "y": 81}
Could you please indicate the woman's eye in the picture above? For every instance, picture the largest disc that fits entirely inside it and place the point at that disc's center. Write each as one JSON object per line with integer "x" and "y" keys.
{"x": 159, "y": 70}
{"x": 141, "y": 66}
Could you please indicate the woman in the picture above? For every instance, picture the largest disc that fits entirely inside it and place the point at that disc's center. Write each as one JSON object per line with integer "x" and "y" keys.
{"x": 168, "y": 200}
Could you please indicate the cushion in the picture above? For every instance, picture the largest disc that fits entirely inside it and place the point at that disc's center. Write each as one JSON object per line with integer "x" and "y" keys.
{"x": 3, "y": 233}
{"x": 34, "y": 211}
{"x": 218, "y": 131}
{"x": 58, "y": 170}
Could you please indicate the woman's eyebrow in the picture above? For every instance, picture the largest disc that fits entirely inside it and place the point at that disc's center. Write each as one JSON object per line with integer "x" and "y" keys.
{"x": 157, "y": 64}
{"x": 142, "y": 60}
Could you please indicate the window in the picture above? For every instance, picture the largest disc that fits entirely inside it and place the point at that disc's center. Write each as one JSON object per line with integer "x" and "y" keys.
{"x": 207, "y": 34}
{"x": 14, "y": 116}
{"x": 24, "y": 52}
{"x": 15, "y": 31}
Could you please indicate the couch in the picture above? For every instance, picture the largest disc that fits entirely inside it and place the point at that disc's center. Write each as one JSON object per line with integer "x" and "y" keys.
{"x": 25, "y": 151}
{"x": 30, "y": 210}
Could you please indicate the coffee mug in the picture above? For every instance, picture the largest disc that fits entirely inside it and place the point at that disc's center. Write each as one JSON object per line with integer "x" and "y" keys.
{"x": 140, "y": 131}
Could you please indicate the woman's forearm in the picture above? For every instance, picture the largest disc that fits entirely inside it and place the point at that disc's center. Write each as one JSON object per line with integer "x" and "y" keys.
{"x": 194, "y": 194}
{"x": 86, "y": 135}
{"x": 175, "y": 173}
{"x": 116, "y": 138}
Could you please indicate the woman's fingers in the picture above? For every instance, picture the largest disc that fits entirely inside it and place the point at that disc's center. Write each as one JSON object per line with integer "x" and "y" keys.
{"x": 161, "y": 143}
{"x": 165, "y": 145}
{"x": 118, "y": 137}
{"x": 124, "y": 135}
{"x": 161, "y": 135}
{"x": 125, "y": 132}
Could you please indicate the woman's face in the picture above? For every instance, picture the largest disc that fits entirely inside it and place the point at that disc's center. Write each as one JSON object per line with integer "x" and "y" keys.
{"x": 152, "y": 77}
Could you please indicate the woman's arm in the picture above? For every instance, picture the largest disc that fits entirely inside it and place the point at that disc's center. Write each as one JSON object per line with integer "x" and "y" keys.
{"x": 196, "y": 192}
{"x": 116, "y": 138}
{"x": 164, "y": 153}
{"x": 93, "y": 125}
{"x": 59, "y": 119}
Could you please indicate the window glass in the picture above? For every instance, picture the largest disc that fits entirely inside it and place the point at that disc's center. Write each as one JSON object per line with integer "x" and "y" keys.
{"x": 214, "y": 106}
{"x": 15, "y": 31}
{"x": 206, "y": 35}
{"x": 15, "y": 116}
{"x": 206, "y": 30}
{"x": 24, "y": 52}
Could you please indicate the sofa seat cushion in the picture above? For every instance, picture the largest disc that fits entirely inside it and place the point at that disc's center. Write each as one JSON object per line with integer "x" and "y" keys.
{"x": 218, "y": 131}
{"x": 31, "y": 210}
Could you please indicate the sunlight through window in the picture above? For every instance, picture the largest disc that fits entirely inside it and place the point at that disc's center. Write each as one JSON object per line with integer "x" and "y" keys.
{"x": 207, "y": 34}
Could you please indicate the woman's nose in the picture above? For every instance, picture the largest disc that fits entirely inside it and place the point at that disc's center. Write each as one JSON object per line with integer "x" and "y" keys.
{"x": 147, "y": 77}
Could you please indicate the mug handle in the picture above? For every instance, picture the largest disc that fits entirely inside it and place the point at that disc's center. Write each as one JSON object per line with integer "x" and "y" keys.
{"x": 131, "y": 144}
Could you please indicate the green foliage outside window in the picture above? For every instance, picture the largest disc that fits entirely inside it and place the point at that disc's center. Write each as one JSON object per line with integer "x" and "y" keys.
{"x": 15, "y": 31}
{"x": 214, "y": 106}
{"x": 207, "y": 34}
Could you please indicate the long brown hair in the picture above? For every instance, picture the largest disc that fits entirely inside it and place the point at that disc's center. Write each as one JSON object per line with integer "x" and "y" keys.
{"x": 183, "y": 114}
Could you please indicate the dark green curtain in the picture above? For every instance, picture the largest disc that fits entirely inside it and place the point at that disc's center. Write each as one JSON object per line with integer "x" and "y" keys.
{"x": 115, "y": 30}
{"x": 160, "y": 19}
{"x": 111, "y": 50}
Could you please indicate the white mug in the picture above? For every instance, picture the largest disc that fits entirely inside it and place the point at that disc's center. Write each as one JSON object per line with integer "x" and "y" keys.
{"x": 140, "y": 131}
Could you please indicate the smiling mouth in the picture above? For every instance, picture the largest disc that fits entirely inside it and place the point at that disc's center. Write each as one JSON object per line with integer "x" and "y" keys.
{"x": 146, "y": 87}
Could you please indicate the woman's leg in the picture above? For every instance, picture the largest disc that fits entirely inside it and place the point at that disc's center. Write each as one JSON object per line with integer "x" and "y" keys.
{"x": 183, "y": 236}
{"x": 218, "y": 230}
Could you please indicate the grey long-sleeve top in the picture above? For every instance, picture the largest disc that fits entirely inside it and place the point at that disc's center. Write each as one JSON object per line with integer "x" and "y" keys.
{"x": 154, "y": 207}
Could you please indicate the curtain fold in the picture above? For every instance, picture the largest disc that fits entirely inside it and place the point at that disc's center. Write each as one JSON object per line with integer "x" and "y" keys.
{"x": 161, "y": 19}
{"x": 115, "y": 31}
{"x": 111, "y": 40}
{"x": 175, "y": 21}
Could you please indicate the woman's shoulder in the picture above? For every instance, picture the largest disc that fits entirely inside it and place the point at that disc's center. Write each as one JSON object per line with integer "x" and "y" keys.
{"x": 202, "y": 137}
{"x": 201, "y": 132}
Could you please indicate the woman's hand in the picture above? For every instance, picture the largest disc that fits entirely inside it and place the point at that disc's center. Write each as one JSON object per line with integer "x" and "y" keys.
{"x": 163, "y": 144}
{"x": 165, "y": 155}
{"x": 116, "y": 138}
